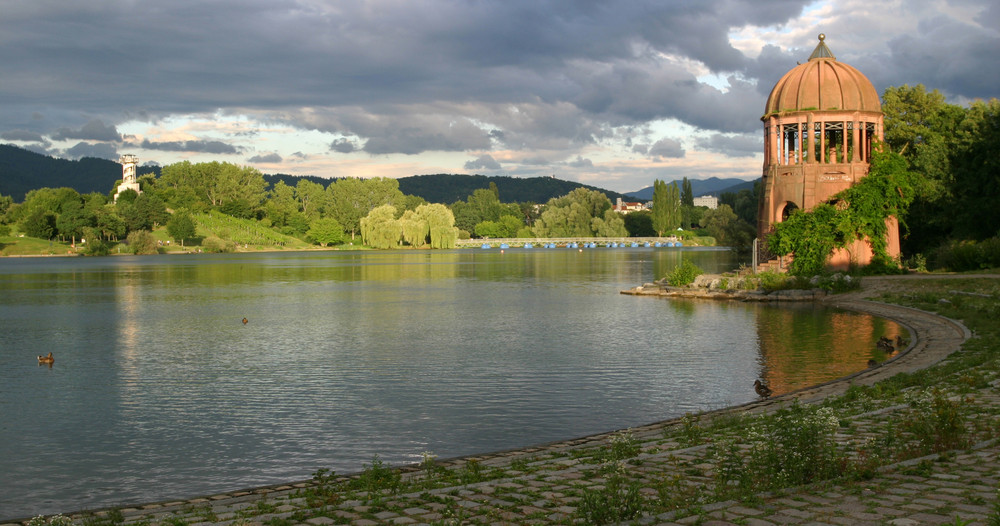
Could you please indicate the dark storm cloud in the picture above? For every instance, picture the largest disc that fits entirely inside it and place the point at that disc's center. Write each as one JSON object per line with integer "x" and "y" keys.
{"x": 732, "y": 145}
{"x": 343, "y": 146}
{"x": 99, "y": 150}
{"x": 942, "y": 55}
{"x": 190, "y": 56}
{"x": 413, "y": 134}
{"x": 430, "y": 75}
{"x": 580, "y": 162}
{"x": 266, "y": 158}
{"x": 218, "y": 147}
{"x": 483, "y": 162}
{"x": 94, "y": 130}
{"x": 22, "y": 135}
{"x": 666, "y": 148}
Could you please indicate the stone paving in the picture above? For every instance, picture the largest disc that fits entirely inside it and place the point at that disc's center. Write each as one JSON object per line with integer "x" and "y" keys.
{"x": 673, "y": 462}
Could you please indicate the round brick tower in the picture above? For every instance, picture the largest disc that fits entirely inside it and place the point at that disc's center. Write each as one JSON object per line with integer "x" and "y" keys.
{"x": 820, "y": 124}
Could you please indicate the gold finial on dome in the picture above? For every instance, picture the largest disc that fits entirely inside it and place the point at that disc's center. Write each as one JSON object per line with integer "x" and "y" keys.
{"x": 821, "y": 50}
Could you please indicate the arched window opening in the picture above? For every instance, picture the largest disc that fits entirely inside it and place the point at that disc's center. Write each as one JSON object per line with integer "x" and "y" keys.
{"x": 787, "y": 209}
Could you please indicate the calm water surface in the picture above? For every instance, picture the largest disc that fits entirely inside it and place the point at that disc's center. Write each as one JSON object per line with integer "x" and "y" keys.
{"x": 159, "y": 390}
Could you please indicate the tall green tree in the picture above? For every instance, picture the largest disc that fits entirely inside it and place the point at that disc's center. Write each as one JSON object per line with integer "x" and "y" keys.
{"x": 73, "y": 218}
{"x": 612, "y": 224}
{"x": 281, "y": 205}
{"x": 351, "y": 199}
{"x": 660, "y": 211}
{"x": 640, "y": 224}
{"x": 727, "y": 228}
{"x": 976, "y": 163}
{"x": 326, "y": 231}
{"x": 213, "y": 184}
{"x": 921, "y": 126}
{"x": 181, "y": 226}
{"x": 666, "y": 207}
{"x": 40, "y": 223}
{"x": 145, "y": 213}
{"x": 573, "y": 214}
{"x": 5, "y": 203}
{"x": 312, "y": 198}
{"x": 687, "y": 195}
{"x": 110, "y": 223}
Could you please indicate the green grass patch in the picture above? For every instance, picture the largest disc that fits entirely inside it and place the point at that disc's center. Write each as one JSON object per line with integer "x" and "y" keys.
{"x": 30, "y": 246}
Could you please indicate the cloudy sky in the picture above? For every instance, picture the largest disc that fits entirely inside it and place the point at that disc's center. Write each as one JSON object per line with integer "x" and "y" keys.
{"x": 608, "y": 93}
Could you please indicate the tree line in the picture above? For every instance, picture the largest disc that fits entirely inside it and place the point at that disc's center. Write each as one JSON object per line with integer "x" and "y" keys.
{"x": 327, "y": 214}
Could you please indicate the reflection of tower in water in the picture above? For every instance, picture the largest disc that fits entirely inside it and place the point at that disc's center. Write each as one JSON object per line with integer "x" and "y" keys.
{"x": 127, "y": 300}
{"x": 800, "y": 348}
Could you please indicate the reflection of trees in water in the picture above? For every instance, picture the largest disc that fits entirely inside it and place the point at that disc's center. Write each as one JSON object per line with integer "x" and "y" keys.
{"x": 802, "y": 345}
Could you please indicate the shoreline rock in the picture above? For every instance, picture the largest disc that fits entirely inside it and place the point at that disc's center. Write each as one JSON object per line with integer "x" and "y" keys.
{"x": 719, "y": 287}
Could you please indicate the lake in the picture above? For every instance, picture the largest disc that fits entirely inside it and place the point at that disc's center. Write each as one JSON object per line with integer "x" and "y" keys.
{"x": 160, "y": 391}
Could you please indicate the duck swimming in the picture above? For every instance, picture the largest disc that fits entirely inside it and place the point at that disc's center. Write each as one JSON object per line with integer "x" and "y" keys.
{"x": 761, "y": 388}
{"x": 46, "y": 359}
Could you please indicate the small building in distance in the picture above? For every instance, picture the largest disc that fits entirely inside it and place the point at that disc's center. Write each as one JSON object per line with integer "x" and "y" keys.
{"x": 625, "y": 207}
{"x": 706, "y": 200}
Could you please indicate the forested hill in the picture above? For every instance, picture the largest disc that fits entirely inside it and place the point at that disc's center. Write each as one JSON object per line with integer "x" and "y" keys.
{"x": 22, "y": 171}
{"x": 448, "y": 188}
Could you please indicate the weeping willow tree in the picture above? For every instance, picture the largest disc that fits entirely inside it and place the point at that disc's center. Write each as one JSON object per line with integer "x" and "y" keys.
{"x": 380, "y": 228}
{"x": 415, "y": 228}
{"x": 440, "y": 225}
{"x": 433, "y": 223}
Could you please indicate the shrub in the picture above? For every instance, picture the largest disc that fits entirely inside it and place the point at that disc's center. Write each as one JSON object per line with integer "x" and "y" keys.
{"x": 621, "y": 446}
{"x": 936, "y": 422}
{"x": 55, "y": 520}
{"x": 216, "y": 244}
{"x": 142, "y": 242}
{"x": 835, "y": 283}
{"x": 960, "y": 256}
{"x": 684, "y": 274}
{"x": 98, "y": 247}
{"x": 617, "y": 501}
{"x": 794, "y": 446}
{"x": 989, "y": 251}
{"x": 772, "y": 281}
{"x": 376, "y": 478}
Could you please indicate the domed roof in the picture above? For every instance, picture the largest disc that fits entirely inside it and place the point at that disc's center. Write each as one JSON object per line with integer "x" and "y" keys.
{"x": 823, "y": 84}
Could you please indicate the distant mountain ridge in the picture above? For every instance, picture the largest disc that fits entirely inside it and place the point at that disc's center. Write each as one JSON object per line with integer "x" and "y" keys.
{"x": 699, "y": 187}
{"x": 23, "y": 170}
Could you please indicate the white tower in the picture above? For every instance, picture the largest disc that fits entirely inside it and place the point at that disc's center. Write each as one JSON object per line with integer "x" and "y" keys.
{"x": 129, "y": 163}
